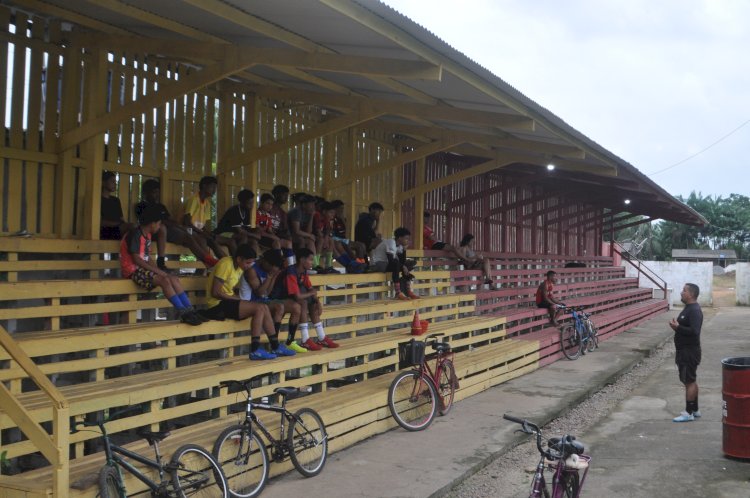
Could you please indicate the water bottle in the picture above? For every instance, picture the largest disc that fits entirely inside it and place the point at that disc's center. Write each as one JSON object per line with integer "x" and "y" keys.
{"x": 264, "y": 400}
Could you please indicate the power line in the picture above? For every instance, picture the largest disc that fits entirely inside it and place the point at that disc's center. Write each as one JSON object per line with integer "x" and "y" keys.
{"x": 701, "y": 151}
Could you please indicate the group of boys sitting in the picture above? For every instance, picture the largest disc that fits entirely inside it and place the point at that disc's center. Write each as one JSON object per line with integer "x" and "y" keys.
{"x": 242, "y": 285}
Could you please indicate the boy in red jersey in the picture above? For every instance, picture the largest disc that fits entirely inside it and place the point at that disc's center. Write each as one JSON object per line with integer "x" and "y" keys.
{"x": 135, "y": 265}
{"x": 296, "y": 285}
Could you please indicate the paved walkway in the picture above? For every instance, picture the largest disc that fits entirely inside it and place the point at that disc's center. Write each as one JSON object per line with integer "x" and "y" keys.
{"x": 646, "y": 454}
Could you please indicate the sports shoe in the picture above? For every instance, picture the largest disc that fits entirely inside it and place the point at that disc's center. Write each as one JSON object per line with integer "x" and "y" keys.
{"x": 190, "y": 318}
{"x": 312, "y": 272}
{"x": 697, "y": 414}
{"x": 412, "y": 295}
{"x": 295, "y": 346}
{"x": 684, "y": 417}
{"x": 327, "y": 342}
{"x": 202, "y": 318}
{"x": 262, "y": 354}
{"x": 402, "y": 297}
{"x": 311, "y": 345}
{"x": 282, "y": 350}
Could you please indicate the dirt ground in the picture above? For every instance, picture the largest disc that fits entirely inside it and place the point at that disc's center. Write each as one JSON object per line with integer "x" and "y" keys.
{"x": 724, "y": 290}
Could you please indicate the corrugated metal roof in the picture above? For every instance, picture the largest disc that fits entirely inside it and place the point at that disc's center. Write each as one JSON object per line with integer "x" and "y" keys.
{"x": 371, "y": 28}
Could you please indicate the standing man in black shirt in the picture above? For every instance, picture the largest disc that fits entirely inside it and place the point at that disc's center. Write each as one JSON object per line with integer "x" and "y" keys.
{"x": 687, "y": 341}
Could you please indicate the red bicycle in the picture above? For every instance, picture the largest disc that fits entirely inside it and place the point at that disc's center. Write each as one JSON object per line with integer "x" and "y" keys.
{"x": 415, "y": 395}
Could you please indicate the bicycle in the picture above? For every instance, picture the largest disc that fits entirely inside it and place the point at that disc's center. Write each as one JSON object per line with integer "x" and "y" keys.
{"x": 242, "y": 453}
{"x": 563, "y": 456}
{"x": 413, "y": 394}
{"x": 581, "y": 335}
{"x": 192, "y": 471}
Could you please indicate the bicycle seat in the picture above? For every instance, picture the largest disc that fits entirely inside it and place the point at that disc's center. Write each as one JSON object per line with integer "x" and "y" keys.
{"x": 566, "y": 446}
{"x": 286, "y": 391}
{"x": 441, "y": 347}
{"x": 151, "y": 436}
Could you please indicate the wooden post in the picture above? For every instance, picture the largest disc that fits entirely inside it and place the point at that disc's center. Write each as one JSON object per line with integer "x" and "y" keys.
{"x": 93, "y": 148}
{"x": 226, "y": 125}
{"x": 351, "y": 163}
{"x": 419, "y": 205}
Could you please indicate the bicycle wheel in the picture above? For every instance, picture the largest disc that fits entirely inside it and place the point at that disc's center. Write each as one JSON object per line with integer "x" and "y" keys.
{"x": 110, "y": 485}
{"x": 196, "y": 473}
{"x": 569, "y": 483}
{"x": 593, "y": 335}
{"x": 447, "y": 386}
{"x": 308, "y": 442}
{"x": 570, "y": 342}
{"x": 412, "y": 400}
{"x": 244, "y": 460}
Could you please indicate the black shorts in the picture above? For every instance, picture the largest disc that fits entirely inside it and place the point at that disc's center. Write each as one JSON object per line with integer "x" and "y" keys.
{"x": 544, "y": 304}
{"x": 229, "y": 308}
{"x": 175, "y": 234}
{"x": 438, "y": 246}
{"x": 687, "y": 361}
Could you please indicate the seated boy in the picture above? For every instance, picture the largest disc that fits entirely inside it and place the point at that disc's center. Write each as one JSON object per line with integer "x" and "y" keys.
{"x": 170, "y": 230}
{"x": 113, "y": 225}
{"x": 197, "y": 216}
{"x": 366, "y": 229}
{"x": 258, "y": 283}
{"x": 135, "y": 265}
{"x": 390, "y": 256}
{"x": 296, "y": 285}
{"x": 264, "y": 228}
{"x": 223, "y": 302}
{"x": 235, "y": 225}
{"x": 546, "y": 300}
{"x": 300, "y": 220}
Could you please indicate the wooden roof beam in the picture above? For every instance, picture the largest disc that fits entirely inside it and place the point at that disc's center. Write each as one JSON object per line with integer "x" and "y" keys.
{"x": 272, "y": 57}
{"x": 329, "y": 127}
{"x": 395, "y": 162}
{"x": 496, "y": 139}
{"x": 166, "y": 92}
{"x": 399, "y": 108}
{"x": 249, "y": 21}
{"x": 500, "y": 161}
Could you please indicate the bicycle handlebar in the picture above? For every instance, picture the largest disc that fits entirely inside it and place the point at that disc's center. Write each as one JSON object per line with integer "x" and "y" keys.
{"x": 532, "y": 428}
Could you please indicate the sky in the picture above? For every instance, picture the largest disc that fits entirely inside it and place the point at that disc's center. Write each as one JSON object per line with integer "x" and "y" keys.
{"x": 656, "y": 82}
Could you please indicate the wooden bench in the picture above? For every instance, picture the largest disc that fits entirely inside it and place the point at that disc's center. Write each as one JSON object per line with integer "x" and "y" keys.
{"x": 351, "y": 413}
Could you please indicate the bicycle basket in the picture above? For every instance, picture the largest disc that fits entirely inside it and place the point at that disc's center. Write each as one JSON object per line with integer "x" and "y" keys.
{"x": 410, "y": 353}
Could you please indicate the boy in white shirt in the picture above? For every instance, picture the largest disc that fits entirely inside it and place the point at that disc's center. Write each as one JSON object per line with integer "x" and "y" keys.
{"x": 390, "y": 256}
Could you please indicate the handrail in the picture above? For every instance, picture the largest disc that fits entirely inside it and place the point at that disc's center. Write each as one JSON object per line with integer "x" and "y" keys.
{"x": 644, "y": 270}
{"x": 54, "y": 448}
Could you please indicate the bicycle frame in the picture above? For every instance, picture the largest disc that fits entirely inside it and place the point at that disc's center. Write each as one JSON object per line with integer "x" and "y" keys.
{"x": 251, "y": 419}
{"x": 426, "y": 371}
{"x": 579, "y": 317}
{"x": 113, "y": 452}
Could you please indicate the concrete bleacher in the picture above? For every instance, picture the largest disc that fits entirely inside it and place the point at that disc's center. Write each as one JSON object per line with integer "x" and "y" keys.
{"x": 105, "y": 343}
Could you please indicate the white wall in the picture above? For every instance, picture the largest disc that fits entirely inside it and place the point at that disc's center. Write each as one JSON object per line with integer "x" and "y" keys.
{"x": 743, "y": 283}
{"x": 677, "y": 274}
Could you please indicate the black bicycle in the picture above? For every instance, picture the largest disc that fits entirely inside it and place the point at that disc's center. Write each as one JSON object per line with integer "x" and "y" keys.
{"x": 192, "y": 471}
{"x": 242, "y": 453}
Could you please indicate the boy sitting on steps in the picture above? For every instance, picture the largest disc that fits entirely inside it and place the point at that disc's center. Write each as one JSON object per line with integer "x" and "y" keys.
{"x": 135, "y": 265}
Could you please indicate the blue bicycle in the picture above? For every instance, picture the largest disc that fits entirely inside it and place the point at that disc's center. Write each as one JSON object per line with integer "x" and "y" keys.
{"x": 580, "y": 336}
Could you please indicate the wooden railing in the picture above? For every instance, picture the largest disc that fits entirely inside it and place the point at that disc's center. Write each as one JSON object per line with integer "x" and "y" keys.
{"x": 54, "y": 447}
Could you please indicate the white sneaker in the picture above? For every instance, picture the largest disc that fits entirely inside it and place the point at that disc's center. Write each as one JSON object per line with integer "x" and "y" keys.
{"x": 697, "y": 414}
{"x": 684, "y": 417}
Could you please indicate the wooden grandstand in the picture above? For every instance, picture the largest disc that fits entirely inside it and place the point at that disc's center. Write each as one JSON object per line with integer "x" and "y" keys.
{"x": 362, "y": 105}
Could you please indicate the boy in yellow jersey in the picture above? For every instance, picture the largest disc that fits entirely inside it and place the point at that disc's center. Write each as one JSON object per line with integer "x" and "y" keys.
{"x": 223, "y": 302}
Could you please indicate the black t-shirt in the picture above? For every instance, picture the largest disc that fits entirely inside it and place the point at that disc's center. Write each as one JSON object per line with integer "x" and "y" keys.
{"x": 364, "y": 230}
{"x": 141, "y": 206}
{"x": 111, "y": 208}
{"x": 234, "y": 216}
{"x": 688, "y": 333}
